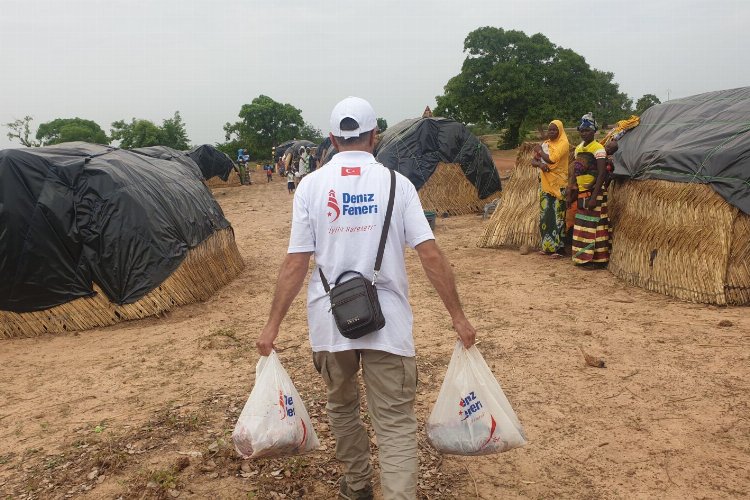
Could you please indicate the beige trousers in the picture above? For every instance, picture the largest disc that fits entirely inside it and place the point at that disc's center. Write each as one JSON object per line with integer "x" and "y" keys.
{"x": 391, "y": 384}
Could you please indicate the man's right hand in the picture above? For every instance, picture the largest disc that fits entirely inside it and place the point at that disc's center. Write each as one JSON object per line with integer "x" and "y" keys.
{"x": 465, "y": 331}
{"x": 265, "y": 340}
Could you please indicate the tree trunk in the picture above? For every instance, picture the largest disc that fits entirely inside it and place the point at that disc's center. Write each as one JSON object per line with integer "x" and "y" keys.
{"x": 512, "y": 135}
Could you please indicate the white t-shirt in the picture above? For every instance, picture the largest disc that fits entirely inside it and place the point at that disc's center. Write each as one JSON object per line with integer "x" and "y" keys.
{"x": 338, "y": 214}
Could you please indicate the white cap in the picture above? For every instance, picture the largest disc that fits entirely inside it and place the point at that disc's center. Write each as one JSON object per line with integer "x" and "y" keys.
{"x": 358, "y": 110}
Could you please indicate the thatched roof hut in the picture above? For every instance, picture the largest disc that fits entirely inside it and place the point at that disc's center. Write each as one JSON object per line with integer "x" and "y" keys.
{"x": 681, "y": 209}
{"x": 451, "y": 169}
{"x": 93, "y": 235}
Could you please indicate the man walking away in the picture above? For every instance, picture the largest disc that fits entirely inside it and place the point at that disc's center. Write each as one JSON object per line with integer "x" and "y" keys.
{"x": 338, "y": 215}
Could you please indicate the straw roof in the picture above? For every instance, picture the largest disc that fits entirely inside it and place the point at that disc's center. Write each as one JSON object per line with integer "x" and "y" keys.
{"x": 449, "y": 191}
{"x": 515, "y": 221}
{"x": 207, "y": 267}
{"x": 679, "y": 239}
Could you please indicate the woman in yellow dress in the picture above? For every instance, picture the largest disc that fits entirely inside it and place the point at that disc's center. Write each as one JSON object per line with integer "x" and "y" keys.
{"x": 551, "y": 158}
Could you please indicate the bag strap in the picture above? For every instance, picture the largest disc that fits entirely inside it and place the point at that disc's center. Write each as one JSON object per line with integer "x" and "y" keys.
{"x": 383, "y": 236}
{"x": 386, "y": 224}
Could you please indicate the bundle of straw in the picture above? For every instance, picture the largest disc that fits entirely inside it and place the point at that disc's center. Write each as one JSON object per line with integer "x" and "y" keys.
{"x": 680, "y": 239}
{"x": 449, "y": 191}
{"x": 515, "y": 221}
{"x": 207, "y": 267}
{"x": 232, "y": 181}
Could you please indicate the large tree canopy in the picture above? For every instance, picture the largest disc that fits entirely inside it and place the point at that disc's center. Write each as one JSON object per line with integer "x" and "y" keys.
{"x": 70, "y": 129}
{"x": 145, "y": 133}
{"x": 265, "y": 123}
{"x": 510, "y": 80}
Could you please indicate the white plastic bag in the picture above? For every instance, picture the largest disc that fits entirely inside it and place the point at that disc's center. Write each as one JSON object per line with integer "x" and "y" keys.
{"x": 472, "y": 416}
{"x": 274, "y": 420}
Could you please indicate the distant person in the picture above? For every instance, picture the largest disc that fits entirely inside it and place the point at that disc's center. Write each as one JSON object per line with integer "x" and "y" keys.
{"x": 312, "y": 159}
{"x": 427, "y": 113}
{"x": 551, "y": 158}
{"x": 269, "y": 172}
{"x": 290, "y": 185}
{"x": 297, "y": 177}
{"x": 304, "y": 163}
{"x": 588, "y": 181}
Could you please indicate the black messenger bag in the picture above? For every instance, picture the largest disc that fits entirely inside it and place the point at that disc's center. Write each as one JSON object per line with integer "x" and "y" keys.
{"x": 354, "y": 302}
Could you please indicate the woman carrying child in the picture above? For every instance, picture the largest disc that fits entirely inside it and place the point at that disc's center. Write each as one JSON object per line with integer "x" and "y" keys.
{"x": 551, "y": 157}
{"x": 588, "y": 177}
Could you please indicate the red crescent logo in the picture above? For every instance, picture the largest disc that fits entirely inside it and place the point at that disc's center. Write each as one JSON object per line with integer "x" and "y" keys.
{"x": 304, "y": 434}
{"x": 283, "y": 406}
{"x": 333, "y": 205}
{"x": 492, "y": 431}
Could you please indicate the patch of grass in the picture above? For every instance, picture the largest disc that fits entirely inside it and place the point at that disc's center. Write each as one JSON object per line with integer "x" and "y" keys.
{"x": 53, "y": 462}
{"x": 165, "y": 479}
{"x": 221, "y": 338}
{"x": 111, "y": 455}
{"x": 186, "y": 422}
{"x": 4, "y": 459}
{"x": 227, "y": 332}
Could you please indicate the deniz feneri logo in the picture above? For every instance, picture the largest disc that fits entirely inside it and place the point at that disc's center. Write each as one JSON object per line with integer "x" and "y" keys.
{"x": 351, "y": 204}
{"x": 468, "y": 407}
{"x": 287, "y": 405}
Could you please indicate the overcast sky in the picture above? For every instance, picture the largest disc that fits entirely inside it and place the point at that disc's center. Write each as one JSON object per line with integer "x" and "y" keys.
{"x": 106, "y": 60}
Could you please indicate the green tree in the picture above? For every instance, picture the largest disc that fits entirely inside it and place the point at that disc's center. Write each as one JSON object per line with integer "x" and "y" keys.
{"x": 145, "y": 133}
{"x": 70, "y": 129}
{"x": 645, "y": 102}
{"x": 265, "y": 123}
{"x": 136, "y": 134}
{"x": 513, "y": 81}
{"x": 173, "y": 133}
{"x": 310, "y": 133}
{"x": 21, "y": 130}
{"x": 382, "y": 125}
{"x": 610, "y": 105}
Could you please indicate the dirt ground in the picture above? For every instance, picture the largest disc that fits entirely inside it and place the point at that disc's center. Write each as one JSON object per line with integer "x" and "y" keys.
{"x": 145, "y": 409}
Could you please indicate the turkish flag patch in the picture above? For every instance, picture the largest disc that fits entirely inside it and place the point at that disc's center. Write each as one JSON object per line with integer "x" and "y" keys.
{"x": 350, "y": 171}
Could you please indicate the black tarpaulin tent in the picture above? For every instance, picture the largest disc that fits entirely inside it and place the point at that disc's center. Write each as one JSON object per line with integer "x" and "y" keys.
{"x": 167, "y": 153}
{"x": 278, "y": 151}
{"x": 76, "y": 214}
{"x": 699, "y": 139}
{"x": 212, "y": 162}
{"x": 415, "y": 147}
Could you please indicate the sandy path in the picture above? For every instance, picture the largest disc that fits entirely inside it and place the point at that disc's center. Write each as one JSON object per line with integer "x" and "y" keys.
{"x": 666, "y": 418}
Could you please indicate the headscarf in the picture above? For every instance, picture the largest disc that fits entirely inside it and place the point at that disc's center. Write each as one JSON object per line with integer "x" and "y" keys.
{"x": 557, "y": 177}
{"x": 587, "y": 121}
